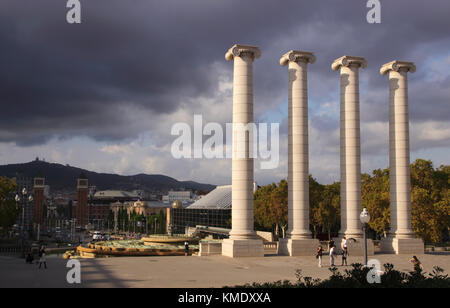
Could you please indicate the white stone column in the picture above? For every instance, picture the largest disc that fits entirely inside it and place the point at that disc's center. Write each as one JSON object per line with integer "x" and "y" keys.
{"x": 243, "y": 241}
{"x": 350, "y": 152}
{"x": 401, "y": 238}
{"x": 299, "y": 240}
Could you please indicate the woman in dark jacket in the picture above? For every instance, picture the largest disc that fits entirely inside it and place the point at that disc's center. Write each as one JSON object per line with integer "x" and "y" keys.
{"x": 186, "y": 248}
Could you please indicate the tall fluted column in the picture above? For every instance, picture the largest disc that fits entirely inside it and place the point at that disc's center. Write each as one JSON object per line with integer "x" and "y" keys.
{"x": 350, "y": 149}
{"x": 299, "y": 241}
{"x": 243, "y": 241}
{"x": 350, "y": 144}
{"x": 401, "y": 238}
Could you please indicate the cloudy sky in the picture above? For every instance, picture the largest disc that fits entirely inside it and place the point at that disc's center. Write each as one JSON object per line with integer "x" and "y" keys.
{"x": 104, "y": 94}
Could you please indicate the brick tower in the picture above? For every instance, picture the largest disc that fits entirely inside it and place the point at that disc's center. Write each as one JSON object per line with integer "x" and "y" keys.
{"x": 82, "y": 206}
{"x": 38, "y": 191}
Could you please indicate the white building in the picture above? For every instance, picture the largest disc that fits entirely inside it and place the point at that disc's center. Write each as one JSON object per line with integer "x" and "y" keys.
{"x": 185, "y": 196}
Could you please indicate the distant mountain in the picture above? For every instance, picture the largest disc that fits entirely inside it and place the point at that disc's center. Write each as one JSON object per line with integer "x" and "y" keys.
{"x": 64, "y": 178}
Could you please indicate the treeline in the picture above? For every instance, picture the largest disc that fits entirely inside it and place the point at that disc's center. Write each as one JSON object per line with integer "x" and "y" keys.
{"x": 430, "y": 209}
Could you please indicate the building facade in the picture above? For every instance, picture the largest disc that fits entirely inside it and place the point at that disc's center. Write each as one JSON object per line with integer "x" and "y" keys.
{"x": 182, "y": 196}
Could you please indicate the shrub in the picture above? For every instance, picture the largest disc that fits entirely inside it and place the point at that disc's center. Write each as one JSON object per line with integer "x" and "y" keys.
{"x": 356, "y": 277}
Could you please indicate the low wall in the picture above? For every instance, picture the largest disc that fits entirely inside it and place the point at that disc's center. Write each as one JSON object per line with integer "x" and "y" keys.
{"x": 93, "y": 250}
{"x": 53, "y": 251}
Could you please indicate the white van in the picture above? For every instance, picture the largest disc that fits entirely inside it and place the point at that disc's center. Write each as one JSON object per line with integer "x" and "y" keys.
{"x": 97, "y": 236}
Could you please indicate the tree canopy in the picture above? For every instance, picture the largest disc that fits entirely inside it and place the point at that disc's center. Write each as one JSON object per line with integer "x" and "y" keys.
{"x": 271, "y": 206}
{"x": 430, "y": 203}
{"x": 8, "y": 210}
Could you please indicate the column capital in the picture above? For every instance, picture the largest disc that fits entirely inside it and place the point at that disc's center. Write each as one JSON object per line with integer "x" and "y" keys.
{"x": 347, "y": 61}
{"x": 239, "y": 50}
{"x": 397, "y": 66}
{"x": 297, "y": 56}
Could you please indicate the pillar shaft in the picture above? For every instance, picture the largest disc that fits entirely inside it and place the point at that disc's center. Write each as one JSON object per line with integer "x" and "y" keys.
{"x": 298, "y": 197}
{"x": 399, "y": 156}
{"x": 350, "y": 153}
{"x": 242, "y": 163}
{"x": 298, "y": 152}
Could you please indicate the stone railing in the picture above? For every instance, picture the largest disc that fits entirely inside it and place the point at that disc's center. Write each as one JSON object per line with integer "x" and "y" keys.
{"x": 266, "y": 236}
{"x": 10, "y": 250}
{"x": 271, "y": 245}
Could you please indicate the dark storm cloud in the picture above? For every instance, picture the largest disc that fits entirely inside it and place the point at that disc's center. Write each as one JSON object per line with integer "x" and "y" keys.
{"x": 61, "y": 80}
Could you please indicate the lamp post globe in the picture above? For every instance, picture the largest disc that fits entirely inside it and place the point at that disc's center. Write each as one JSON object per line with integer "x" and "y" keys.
{"x": 365, "y": 216}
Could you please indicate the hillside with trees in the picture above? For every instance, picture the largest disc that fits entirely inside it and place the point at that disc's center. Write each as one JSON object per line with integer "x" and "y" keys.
{"x": 63, "y": 178}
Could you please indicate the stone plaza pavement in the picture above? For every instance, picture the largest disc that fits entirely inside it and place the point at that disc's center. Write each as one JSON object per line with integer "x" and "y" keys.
{"x": 185, "y": 272}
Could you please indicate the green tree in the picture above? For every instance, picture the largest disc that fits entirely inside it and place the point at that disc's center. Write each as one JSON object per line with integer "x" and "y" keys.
{"x": 8, "y": 210}
{"x": 430, "y": 209}
{"x": 326, "y": 214}
{"x": 315, "y": 197}
{"x": 375, "y": 197}
{"x": 430, "y": 198}
{"x": 271, "y": 207}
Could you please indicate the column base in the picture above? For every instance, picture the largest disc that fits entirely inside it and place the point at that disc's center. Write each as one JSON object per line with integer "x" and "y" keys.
{"x": 298, "y": 247}
{"x": 402, "y": 246}
{"x": 242, "y": 248}
{"x": 355, "y": 248}
{"x": 210, "y": 249}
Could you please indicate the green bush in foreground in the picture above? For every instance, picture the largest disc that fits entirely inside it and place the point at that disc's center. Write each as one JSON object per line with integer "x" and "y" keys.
{"x": 356, "y": 277}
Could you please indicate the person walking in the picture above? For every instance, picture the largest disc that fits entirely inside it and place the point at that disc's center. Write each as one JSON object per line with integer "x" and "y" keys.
{"x": 319, "y": 255}
{"x": 42, "y": 258}
{"x": 186, "y": 248}
{"x": 332, "y": 255}
{"x": 344, "y": 256}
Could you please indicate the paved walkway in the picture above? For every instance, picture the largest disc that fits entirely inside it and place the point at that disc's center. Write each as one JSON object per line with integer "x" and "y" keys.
{"x": 184, "y": 272}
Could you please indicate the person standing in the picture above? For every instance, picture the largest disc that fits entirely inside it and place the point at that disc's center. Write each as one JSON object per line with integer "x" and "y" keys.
{"x": 344, "y": 256}
{"x": 42, "y": 258}
{"x": 330, "y": 244}
{"x": 418, "y": 267}
{"x": 332, "y": 255}
{"x": 186, "y": 248}
{"x": 29, "y": 258}
{"x": 319, "y": 255}
{"x": 345, "y": 243}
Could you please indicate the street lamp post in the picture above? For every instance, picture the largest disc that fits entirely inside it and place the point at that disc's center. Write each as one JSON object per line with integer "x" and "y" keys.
{"x": 365, "y": 218}
{"x": 22, "y": 227}
{"x": 146, "y": 226}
